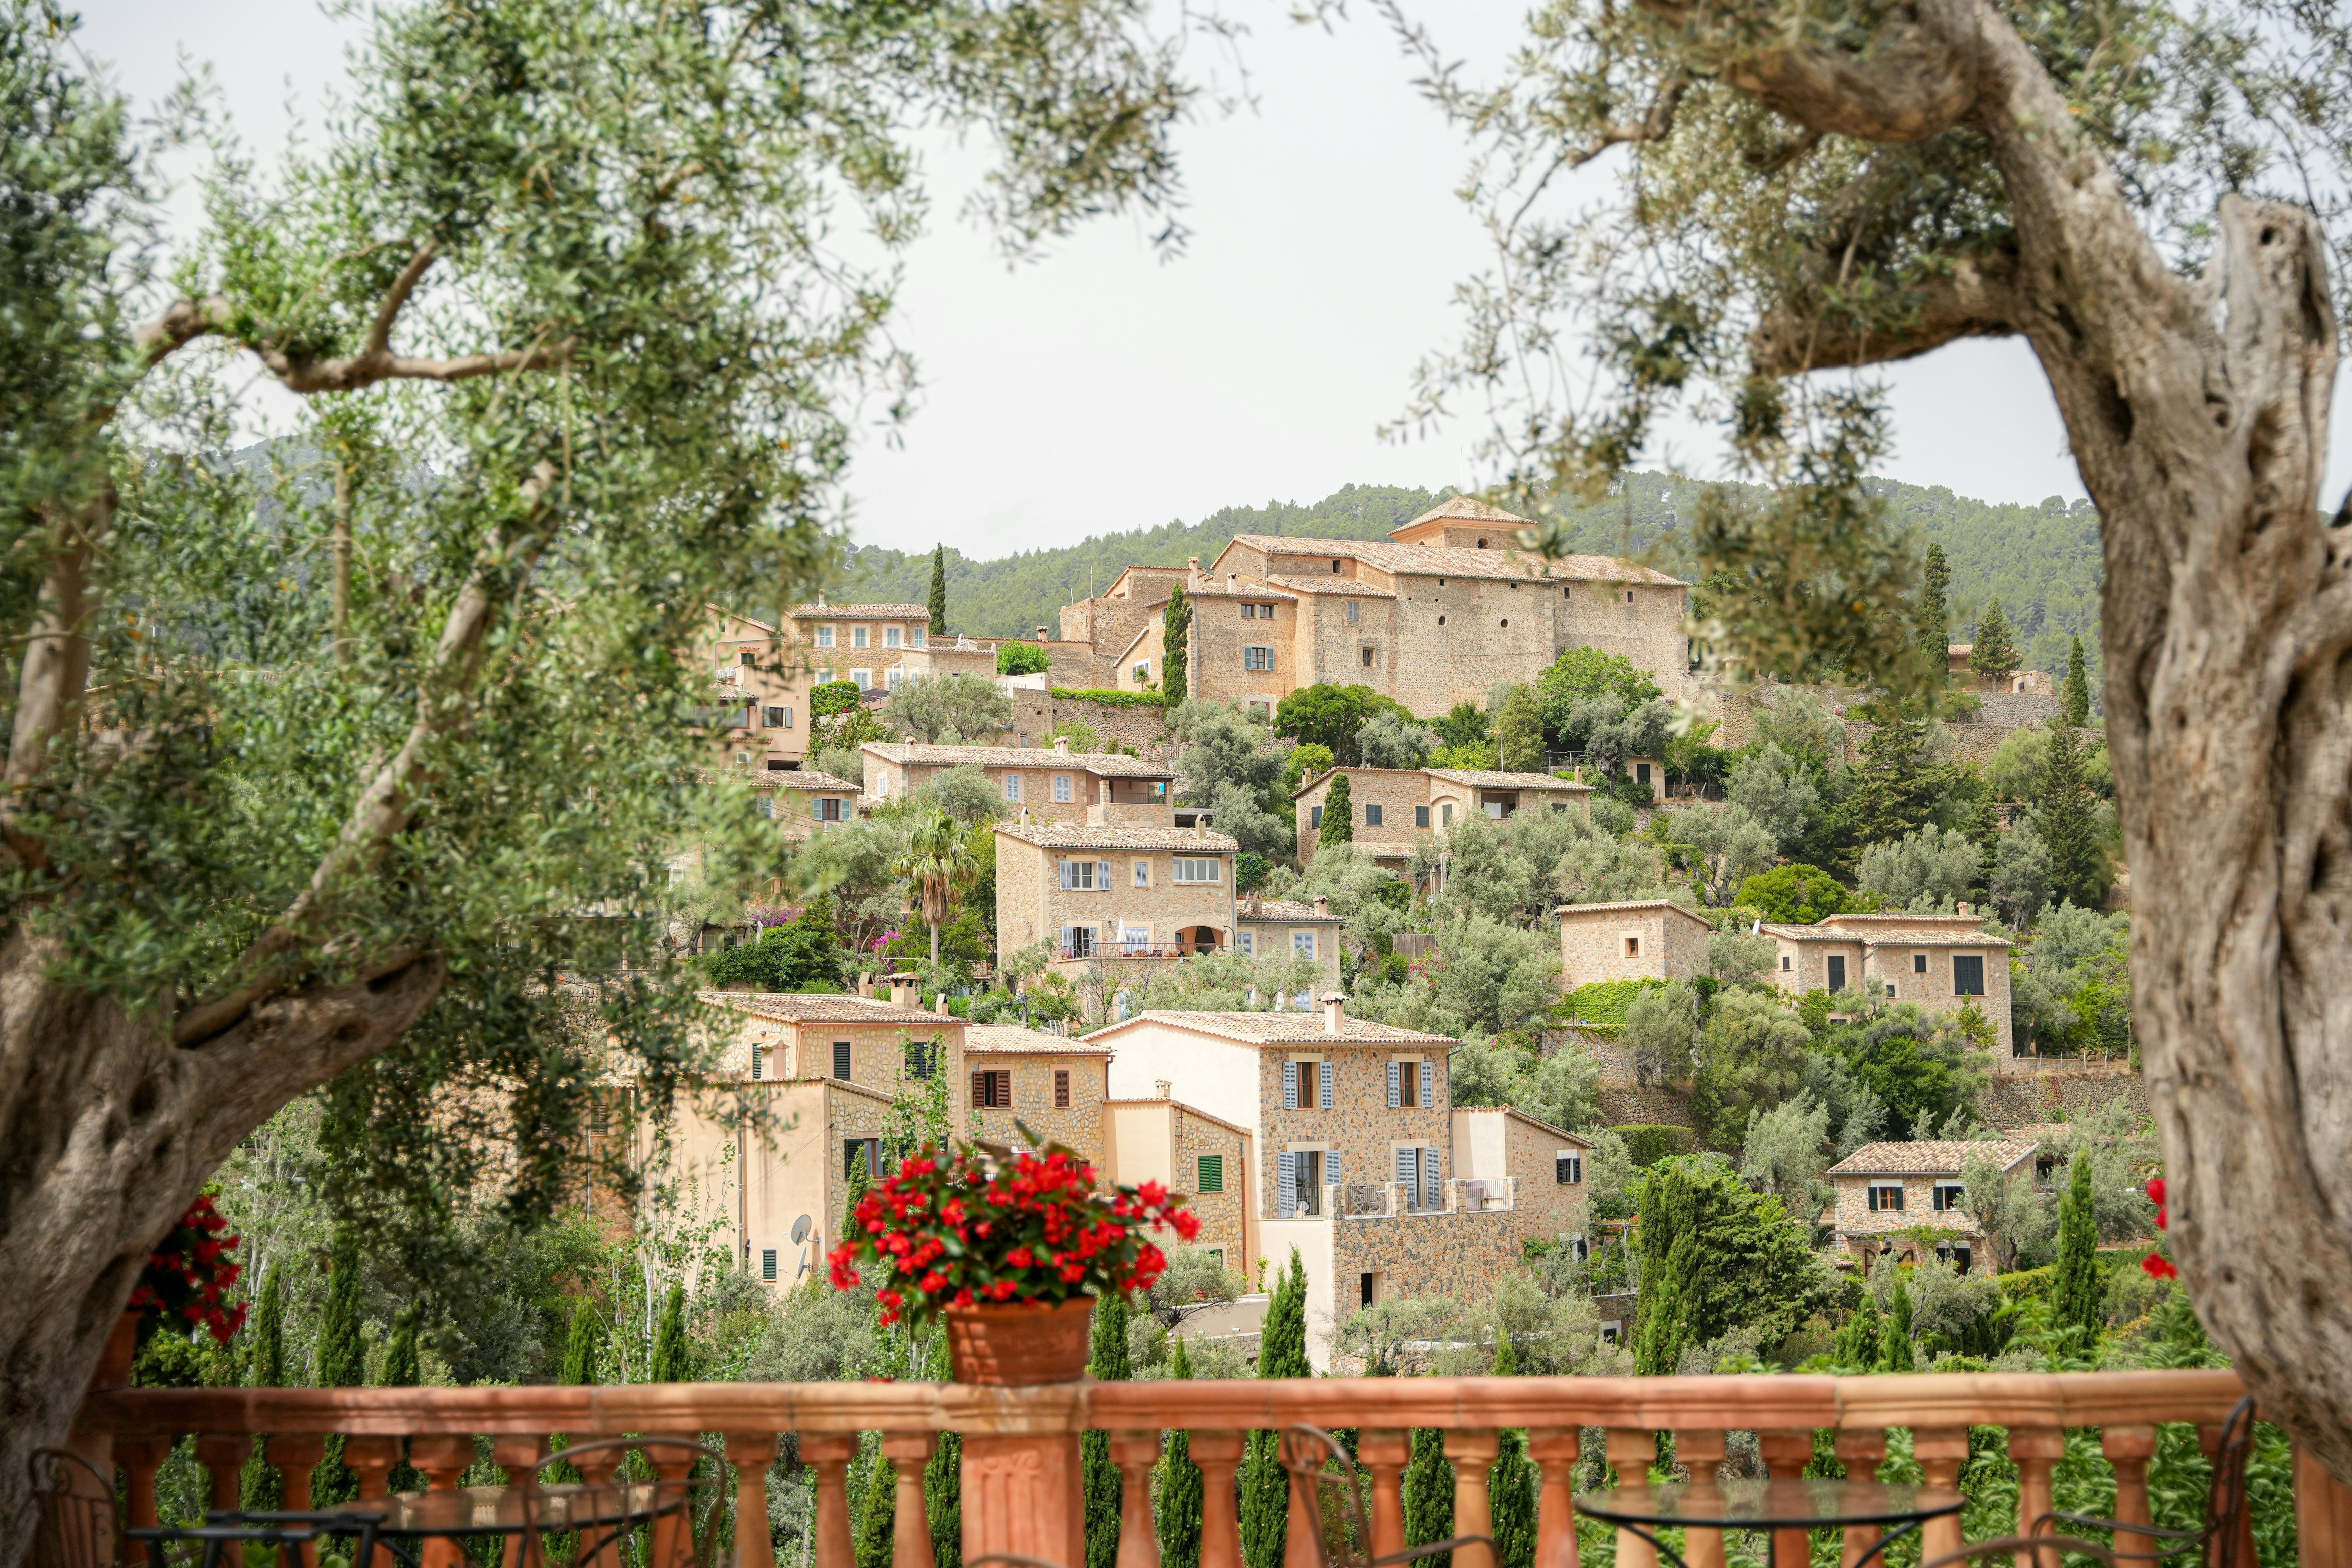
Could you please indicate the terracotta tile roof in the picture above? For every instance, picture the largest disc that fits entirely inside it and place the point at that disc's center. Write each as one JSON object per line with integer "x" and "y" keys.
{"x": 1562, "y": 1134}
{"x": 1077, "y": 836}
{"x": 1624, "y": 904}
{"x": 1827, "y": 933}
{"x": 1488, "y": 778}
{"x": 796, "y": 778}
{"x": 1246, "y": 588}
{"x": 1109, "y": 764}
{"x": 1282, "y": 1029}
{"x": 1926, "y": 1159}
{"x": 1899, "y": 917}
{"x": 1012, "y": 1040}
{"x": 796, "y": 1008}
{"x": 1469, "y": 509}
{"x": 861, "y": 613}
{"x": 1290, "y": 910}
{"x": 1192, "y": 1111}
{"x": 1452, "y": 561}
{"x": 1337, "y": 587}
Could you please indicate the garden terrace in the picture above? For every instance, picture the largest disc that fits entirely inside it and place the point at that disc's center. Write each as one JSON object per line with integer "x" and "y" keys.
{"x": 1021, "y": 1487}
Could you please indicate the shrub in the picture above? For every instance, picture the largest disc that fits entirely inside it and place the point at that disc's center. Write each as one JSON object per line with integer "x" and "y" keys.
{"x": 1022, "y": 659}
{"x": 1800, "y": 894}
{"x": 833, "y": 696}
{"x": 1600, "y": 1008}
{"x": 1650, "y": 1141}
{"x": 1109, "y": 698}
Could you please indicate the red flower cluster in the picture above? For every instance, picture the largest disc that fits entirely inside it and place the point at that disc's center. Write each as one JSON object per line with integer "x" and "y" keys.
{"x": 2155, "y": 1263}
{"x": 976, "y": 1226}
{"x": 189, "y": 1275}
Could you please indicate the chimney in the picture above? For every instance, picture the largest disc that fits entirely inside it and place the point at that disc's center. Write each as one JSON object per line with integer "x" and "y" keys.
{"x": 1963, "y": 909}
{"x": 1061, "y": 745}
{"x": 866, "y": 982}
{"x": 1322, "y": 905}
{"x": 820, "y": 599}
{"x": 1193, "y": 567}
{"x": 1335, "y": 1012}
{"x": 1160, "y": 1087}
{"x": 1041, "y": 634}
{"x": 902, "y": 991}
{"x": 1233, "y": 581}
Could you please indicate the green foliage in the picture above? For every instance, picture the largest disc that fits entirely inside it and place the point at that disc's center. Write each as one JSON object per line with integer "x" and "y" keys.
{"x": 1796, "y": 894}
{"x": 1022, "y": 659}
{"x": 943, "y": 1494}
{"x": 938, "y": 601}
{"x": 672, "y": 1362}
{"x": 1581, "y": 674}
{"x": 1250, "y": 871}
{"x": 1716, "y": 1257}
{"x": 1176, "y": 1493}
{"x": 1176, "y": 646}
{"x": 583, "y": 1346}
{"x": 2065, "y": 818}
{"x": 1922, "y": 1067}
{"x": 832, "y": 698}
{"x": 1108, "y": 1363}
{"x": 1927, "y": 871}
{"x": 1935, "y": 609}
{"x": 873, "y": 1481}
{"x": 2074, "y": 697}
{"x": 1647, "y": 1143}
{"x": 265, "y": 1333}
{"x": 1511, "y": 1483}
{"x": 1598, "y": 1006}
{"x": 1519, "y": 733}
{"x": 1428, "y": 1494}
{"x": 1393, "y": 741}
{"x": 1304, "y": 762}
{"x": 400, "y": 1368}
{"x": 1898, "y": 787}
{"x": 1105, "y": 697}
{"x": 1329, "y": 715}
{"x": 339, "y": 1362}
{"x": 1339, "y": 813}
{"x": 1857, "y": 1340}
{"x": 2076, "y": 1296}
{"x": 1231, "y": 767}
{"x": 949, "y": 710}
{"x": 805, "y": 954}
{"x": 1993, "y": 655}
{"x": 1897, "y": 1354}
{"x": 1265, "y": 1484}
{"x": 1465, "y": 724}
{"x": 1750, "y": 1057}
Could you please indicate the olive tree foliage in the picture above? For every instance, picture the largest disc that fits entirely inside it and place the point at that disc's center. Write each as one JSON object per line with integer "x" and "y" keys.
{"x": 2150, "y": 195}
{"x": 954, "y": 709}
{"x": 1926, "y": 871}
{"x": 318, "y": 756}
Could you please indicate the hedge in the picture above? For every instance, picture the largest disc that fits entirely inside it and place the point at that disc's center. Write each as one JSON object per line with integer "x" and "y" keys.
{"x": 1109, "y": 698}
{"x": 1601, "y": 1005}
{"x": 1650, "y": 1141}
{"x": 2035, "y": 1284}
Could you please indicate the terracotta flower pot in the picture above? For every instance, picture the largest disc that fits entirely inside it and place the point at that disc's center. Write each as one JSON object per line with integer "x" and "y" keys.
{"x": 1021, "y": 1343}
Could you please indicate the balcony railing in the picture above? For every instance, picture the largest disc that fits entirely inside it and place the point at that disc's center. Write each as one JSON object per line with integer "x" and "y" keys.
{"x": 1383, "y": 1200}
{"x": 1020, "y": 1488}
{"x": 1136, "y": 950}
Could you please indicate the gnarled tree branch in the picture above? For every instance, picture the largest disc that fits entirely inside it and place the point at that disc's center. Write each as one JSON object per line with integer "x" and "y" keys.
{"x": 1908, "y": 83}
{"x": 1977, "y": 298}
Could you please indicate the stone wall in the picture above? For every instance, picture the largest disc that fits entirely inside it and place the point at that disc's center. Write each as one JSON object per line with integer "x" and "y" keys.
{"x": 2029, "y": 1100}
{"x": 1359, "y": 1125}
{"x": 1974, "y": 738}
{"x": 1645, "y": 1107}
{"x": 1079, "y": 1125}
{"x": 1460, "y": 1256}
{"x": 1224, "y": 1215}
{"x": 1142, "y": 726}
{"x": 1671, "y": 946}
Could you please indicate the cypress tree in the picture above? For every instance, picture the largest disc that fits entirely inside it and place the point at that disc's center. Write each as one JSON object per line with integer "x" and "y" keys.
{"x": 258, "y": 1487}
{"x": 1339, "y": 813}
{"x": 943, "y": 1496}
{"x": 938, "y": 605}
{"x": 1110, "y": 1364}
{"x": 1511, "y": 1484}
{"x": 2064, "y": 817}
{"x": 670, "y": 1362}
{"x": 583, "y": 1347}
{"x": 2078, "y": 687}
{"x": 1995, "y": 653}
{"x": 1857, "y": 1342}
{"x": 1934, "y": 613}
{"x": 1896, "y": 1356}
{"x": 1177, "y": 1505}
{"x": 875, "y": 1507}
{"x": 401, "y": 1369}
{"x": 1265, "y": 1485}
{"x": 1176, "y": 646}
{"x": 2076, "y": 1303}
{"x": 341, "y": 1362}
{"x": 1428, "y": 1494}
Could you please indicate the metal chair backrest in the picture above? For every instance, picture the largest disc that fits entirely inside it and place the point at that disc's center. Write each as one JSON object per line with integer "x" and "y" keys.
{"x": 672, "y": 1497}
{"x": 75, "y": 1524}
{"x": 1320, "y": 1467}
{"x": 2226, "y": 1504}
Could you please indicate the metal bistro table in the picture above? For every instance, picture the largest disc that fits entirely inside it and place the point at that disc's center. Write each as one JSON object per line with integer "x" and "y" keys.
{"x": 514, "y": 1511}
{"x": 1793, "y": 1506}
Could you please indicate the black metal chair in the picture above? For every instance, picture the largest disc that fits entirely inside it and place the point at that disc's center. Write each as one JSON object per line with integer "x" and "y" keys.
{"x": 1320, "y": 1464}
{"x": 2220, "y": 1543}
{"x": 673, "y": 1519}
{"x": 235, "y": 1528}
{"x": 75, "y": 1524}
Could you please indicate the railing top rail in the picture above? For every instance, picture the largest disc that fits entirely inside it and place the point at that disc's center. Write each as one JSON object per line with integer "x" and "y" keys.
{"x": 1692, "y": 1403}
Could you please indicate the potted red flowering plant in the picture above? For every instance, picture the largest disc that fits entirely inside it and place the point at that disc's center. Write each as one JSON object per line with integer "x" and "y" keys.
{"x": 188, "y": 1276}
{"x": 1010, "y": 1249}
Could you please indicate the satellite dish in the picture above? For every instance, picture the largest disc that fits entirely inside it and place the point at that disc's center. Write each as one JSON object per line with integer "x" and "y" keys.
{"x": 800, "y": 1228}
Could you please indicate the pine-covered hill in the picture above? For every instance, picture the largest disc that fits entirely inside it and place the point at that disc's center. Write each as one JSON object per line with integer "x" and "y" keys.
{"x": 2042, "y": 562}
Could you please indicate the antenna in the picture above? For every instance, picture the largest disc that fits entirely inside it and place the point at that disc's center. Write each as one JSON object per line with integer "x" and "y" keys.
{"x": 800, "y": 1228}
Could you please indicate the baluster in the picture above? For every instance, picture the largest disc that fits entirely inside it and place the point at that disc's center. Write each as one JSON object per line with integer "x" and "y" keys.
{"x": 1941, "y": 1451}
{"x": 1701, "y": 1452}
{"x": 1139, "y": 1544}
{"x": 1472, "y": 1454}
{"x": 2035, "y": 1450}
{"x": 1786, "y": 1455}
{"x": 1385, "y": 1453}
{"x": 1300, "y": 1549}
{"x": 2128, "y": 1449}
{"x": 597, "y": 1470}
{"x": 831, "y": 1456}
{"x": 2323, "y": 1515}
{"x": 141, "y": 1458}
{"x": 1218, "y": 1454}
{"x": 1556, "y": 1450}
{"x": 2209, "y": 1439}
{"x": 1631, "y": 1452}
{"x": 751, "y": 1453}
{"x": 674, "y": 1468}
{"x": 296, "y": 1458}
{"x": 1861, "y": 1451}
{"x": 910, "y": 1529}
{"x": 372, "y": 1459}
{"x": 445, "y": 1457}
{"x": 223, "y": 1454}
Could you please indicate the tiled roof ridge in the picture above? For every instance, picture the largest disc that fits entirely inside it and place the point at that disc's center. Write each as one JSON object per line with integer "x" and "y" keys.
{"x": 1455, "y": 561}
{"x": 902, "y": 753}
{"x": 860, "y": 612}
{"x": 1480, "y": 777}
{"x": 1081, "y": 835}
{"x": 1186, "y": 1106}
{"x": 1469, "y": 508}
{"x": 816, "y": 1002}
{"x": 1892, "y": 1157}
{"x": 980, "y": 1038}
{"x": 1306, "y": 911}
{"x": 1293, "y": 1029}
{"x": 1608, "y": 904}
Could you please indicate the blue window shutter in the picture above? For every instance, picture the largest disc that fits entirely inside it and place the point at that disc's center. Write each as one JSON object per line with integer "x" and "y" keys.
{"x": 1289, "y": 1089}
{"x": 1067, "y": 876}
{"x": 1323, "y": 1079}
{"x": 1331, "y": 1169}
{"x": 1285, "y": 1183}
{"x": 1405, "y": 1162}
{"x": 1102, "y": 876}
{"x": 1396, "y": 1084}
{"x": 1428, "y": 1083}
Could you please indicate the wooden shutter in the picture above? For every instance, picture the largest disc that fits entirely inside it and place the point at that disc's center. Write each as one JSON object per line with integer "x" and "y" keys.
{"x": 1289, "y": 1089}
{"x": 1102, "y": 876}
{"x": 1285, "y": 1183}
{"x": 1331, "y": 1169}
{"x": 1061, "y": 1086}
{"x": 1323, "y": 1079}
{"x": 1396, "y": 1085}
{"x": 979, "y": 1089}
{"x": 1069, "y": 874}
{"x": 1427, "y": 1086}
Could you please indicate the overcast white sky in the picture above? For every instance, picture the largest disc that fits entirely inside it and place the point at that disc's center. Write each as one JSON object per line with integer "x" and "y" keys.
{"x": 1104, "y": 389}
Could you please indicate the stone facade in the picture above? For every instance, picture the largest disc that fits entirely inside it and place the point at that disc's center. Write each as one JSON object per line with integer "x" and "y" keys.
{"x": 2025, "y": 1099}
{"x": 764, "y": 672}
{"x": 1037, "y": 713}
{"x": 1900, "y": 958}
{"x": 1144, "y": 897}
{"x": 1494, "y": 1141}
{"x": 1057, "y": 1086}
{"x": 1164, "y": 1139}
{"x": 803, "y": 801}
{"x": 1649, "y": 939}
{"x": 1416, "y": 806}
{"x": 1277, "y": 926}
{"x": 1924, "y": 1174}
{"x": 1358, "y": 1126}
{"x": 1100, "y": 787}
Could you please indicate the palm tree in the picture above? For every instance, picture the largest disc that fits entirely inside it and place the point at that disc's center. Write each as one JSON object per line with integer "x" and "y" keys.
{"x": 938, "y": 865}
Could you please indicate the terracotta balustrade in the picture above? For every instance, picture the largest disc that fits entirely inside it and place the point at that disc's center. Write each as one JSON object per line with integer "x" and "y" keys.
{"x": 1021, "y": 1491}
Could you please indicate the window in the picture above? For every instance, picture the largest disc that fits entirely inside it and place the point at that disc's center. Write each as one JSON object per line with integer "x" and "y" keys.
{"x": 1367, "y": 1287}
{"x": 890, "y": 637}
{"x": 1372, "y": 815}
{"x": 1302, "y": 1002}
{"x": 1567, "y": 1169}
{"x": 1352, "y": 612}
{"x": 1314, "y": 816}
{"x": 1191, "y": 869}
{"x": 920, "y": 1056}
{"x": 1135, "y": 936}
{"x": 747, "y": 656}
{"x": 1640, "y": 773}
{"x": 1886, "y": 1198}
{"x": 1218, "y": 1253}
{"x": 1257, "y": 659}
{"x": 776, "y": 718}
{"x": 1967, "y": 974}
{"x": 1409, "y": 1084}
{"x": 825, "y": 675}
{"x": 1784, "y": 961}
{"x": 1302, "y": 944}
{"x": 1418, "y": 1171}
{"x": 767, "y": 805}
{"x": 857, "y": 1152}
{"x": 824, "y": 637}
{"x": 757, "y": 1052}
{"x": 1951, "y": 1195}
{"x": 767, "y": 1263}
{"x": 1366, "y": 657}
{"x": 1445, "y": 813}
{"x": 1062, "y": 1088}
{"x": 863, "y": 677}
{"x": 1837, "y": 973}
{"x": 857, "y": 637}
{"x": 1142, "y": 673}
{"x": 828, "y": 808}
{"x": 1246, "y": 943}
{"x": 894, "y": 676}
{"x": 991, "y": 1090}
{"x": 918, "y": 637}
{"x": 1078, "y": 877}
{"x": 1143, "y": 873}
{"x": 1633, "y": 947}
{"x": 1012, "y": 788}
{"x": 1918, "y": 963}
{"x": 1298, "y": 1181}
{"x": 841, "y": 1059}
{"x": 1890, "y": 991}
{"x": 1421, "y": 817}
{"x": 1079, "y": 942}
{"x": 1212, "y": 1174}
{"x": 1061, "y": 789}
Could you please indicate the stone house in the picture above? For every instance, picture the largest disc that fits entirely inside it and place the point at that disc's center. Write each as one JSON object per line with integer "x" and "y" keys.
{"x": 803, "y": 801}
{"x": 1054, "y": 1085}
{"x": 1364, "y": 1165}
{"x": 1891, "y": 1195}
{"x": 1435, "y": 613}
{"x": 1045, "y": 784}
{"x": 2016, "y": 683}
{"x": 1101, "y": 893}
{"x": 1185, "y": 1149}
{"x": 1396, "y": 810}
{"x": 797, "y": 1098}
{"x": 1941, "y": 962}
{"x": 1293, "y": 926}
{"x": 763, "y": 672}
{"x": 1638, "y": 939}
